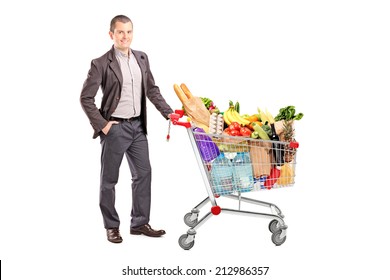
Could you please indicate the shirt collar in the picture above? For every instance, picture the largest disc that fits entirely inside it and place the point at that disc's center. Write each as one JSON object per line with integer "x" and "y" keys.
{"x": 118, "y": 53}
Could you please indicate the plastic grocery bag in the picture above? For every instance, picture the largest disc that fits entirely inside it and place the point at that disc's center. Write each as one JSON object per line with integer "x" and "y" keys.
{"x": 207, "y": 148}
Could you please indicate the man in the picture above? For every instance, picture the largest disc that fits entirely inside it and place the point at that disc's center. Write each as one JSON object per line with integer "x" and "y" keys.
{"x": 126, "y": 81}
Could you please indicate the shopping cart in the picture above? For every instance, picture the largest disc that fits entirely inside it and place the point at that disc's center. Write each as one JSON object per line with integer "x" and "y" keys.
{"x": 231, "y": 166}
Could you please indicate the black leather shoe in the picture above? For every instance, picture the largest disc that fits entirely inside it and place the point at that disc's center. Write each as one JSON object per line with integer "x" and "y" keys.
{"x": 113, "y": 235}
{"x": 147, "y": 230}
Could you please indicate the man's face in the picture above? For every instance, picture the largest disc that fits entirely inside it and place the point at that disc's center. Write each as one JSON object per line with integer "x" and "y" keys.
{"x": 122, "y": 35}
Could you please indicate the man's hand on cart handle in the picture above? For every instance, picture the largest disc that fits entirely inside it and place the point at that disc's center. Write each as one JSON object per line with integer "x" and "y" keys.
{"x": 174, "y": 117}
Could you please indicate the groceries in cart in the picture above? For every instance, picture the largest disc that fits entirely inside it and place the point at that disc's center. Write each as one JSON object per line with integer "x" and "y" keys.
{"x": 236, "y": 154}
{"x": 242, "y": 152}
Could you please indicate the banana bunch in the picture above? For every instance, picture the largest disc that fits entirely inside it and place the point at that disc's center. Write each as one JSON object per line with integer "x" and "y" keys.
{"x": 232, "y": 115}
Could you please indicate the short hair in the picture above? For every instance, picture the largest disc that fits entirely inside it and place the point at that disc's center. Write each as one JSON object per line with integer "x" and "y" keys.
{"x": 121, "y": 18}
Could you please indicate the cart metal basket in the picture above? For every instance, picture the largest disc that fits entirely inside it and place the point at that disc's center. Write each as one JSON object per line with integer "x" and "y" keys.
{"x": 232, "y": 166}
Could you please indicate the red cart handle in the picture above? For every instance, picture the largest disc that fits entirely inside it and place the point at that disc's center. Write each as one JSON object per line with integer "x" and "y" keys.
{"x": 176, "y": 116}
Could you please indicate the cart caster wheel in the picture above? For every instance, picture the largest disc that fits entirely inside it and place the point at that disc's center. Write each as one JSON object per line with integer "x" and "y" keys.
{"x": 273, "y": 226}
{"x": 185, "y": 246}
{"x": 188, "y": 222}
{"x": 276, "y": 238}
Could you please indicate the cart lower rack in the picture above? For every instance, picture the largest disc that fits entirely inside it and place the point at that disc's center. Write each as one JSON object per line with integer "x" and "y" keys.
{"x": 232, "y": 166}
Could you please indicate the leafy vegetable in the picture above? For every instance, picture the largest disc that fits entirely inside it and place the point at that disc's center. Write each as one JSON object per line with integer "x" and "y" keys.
{"x": 209, "y": 104}
{"x": 206, "y": 101}
{"x": 288, "y": 113}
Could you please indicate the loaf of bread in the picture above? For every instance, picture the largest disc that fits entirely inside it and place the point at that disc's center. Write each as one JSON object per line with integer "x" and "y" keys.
{"x": 186, "y": 91}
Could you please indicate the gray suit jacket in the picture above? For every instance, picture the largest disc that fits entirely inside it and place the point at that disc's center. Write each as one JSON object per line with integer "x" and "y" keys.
{"x": 105, "y": 73}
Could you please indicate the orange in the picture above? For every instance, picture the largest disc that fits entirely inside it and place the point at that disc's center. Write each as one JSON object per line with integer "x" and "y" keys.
{"x": 253, "y": 118}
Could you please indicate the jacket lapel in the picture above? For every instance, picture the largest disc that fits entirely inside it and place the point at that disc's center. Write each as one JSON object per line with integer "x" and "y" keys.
{"x": 142, "y": 65}
{"x": 114, "y": 65}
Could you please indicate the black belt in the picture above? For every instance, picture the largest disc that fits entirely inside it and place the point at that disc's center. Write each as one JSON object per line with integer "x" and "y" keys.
{"x": 124, "y": 120}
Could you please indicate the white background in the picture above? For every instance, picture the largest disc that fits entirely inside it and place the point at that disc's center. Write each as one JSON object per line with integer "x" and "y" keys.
{"x": 328, "y": 58}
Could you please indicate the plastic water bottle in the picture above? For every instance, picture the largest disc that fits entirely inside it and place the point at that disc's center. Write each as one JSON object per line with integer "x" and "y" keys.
{"x": 243, "y": 173}
{"x": 222, "y": 175}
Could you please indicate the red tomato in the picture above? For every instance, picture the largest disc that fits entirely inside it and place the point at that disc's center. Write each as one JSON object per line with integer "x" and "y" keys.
{"x": 236, "y": 125}
{"x": 235, "y": 133}
{"x": 245, "y": 131}
{"x": 231, "y": 127}
{"x": 227, "y": 131}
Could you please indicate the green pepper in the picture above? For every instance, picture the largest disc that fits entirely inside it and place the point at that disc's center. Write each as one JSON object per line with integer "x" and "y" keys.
{"x": 267, "y": 129}
{"x": 255, "y": 135}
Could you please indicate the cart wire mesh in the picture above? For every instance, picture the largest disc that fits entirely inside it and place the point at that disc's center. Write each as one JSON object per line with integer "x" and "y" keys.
{"x": 235, "y": 164}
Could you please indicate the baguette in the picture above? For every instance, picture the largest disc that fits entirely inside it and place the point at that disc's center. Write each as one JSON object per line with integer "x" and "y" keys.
{"x": 179, "y": 92}
{"x": 186, "y": 91}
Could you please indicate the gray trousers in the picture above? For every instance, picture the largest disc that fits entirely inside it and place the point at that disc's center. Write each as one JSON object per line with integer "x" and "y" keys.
{"x": 125, "y": 138}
